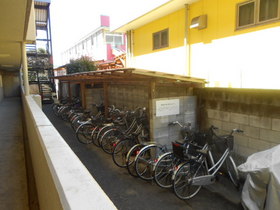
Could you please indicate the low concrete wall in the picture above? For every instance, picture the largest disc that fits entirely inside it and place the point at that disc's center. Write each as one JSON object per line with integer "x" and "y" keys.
{"x": 62, "y": 181}
{"x": 257, "y": 112}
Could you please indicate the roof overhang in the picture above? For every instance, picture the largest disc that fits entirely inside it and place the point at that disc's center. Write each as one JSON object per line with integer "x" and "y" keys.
{"x": 17, "y": 25}
{"x": 131, "y": 75}
{"x": 161, "y": 11}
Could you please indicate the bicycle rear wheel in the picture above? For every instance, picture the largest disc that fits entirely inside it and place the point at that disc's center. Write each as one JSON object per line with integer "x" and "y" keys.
{"x": 182, "y": 182}
{"x": 145, "y": 161}
{"x": 232, "y": 171}
{"x": 83, "y": 133}
{"x": 164, "y": 170}
{"x": 130, "y": 159}
{"x": 120, "y": 152}
{"x": 109, "y": 140}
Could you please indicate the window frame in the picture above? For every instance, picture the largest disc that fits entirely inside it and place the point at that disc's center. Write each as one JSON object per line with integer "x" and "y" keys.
{"x": 160, "y": 35}
{"x": 256, "y": 22}
{"x": 265, "y": 21}
{"x": 114, "y": 39}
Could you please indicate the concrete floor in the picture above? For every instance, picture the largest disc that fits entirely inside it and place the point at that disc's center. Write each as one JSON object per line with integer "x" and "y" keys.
{"x": 127, "y": 192}
{"x": 13, "y": 181}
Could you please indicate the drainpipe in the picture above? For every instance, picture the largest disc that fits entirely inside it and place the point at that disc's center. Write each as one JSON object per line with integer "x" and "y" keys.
{"x": 187, "y": 41}
{"x": 24, "y": 69}
{"x": 129, "y": 48}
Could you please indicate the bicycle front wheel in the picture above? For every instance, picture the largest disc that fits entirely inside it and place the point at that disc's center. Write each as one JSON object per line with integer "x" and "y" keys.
{"x": 232, "y": 171}
{"x": 182, "y": 182}
{"x": 83, "y": 133}
{"x": 130, "y": 159}
{"x": 146, "y": 160}
{"x": 164, "y": 170}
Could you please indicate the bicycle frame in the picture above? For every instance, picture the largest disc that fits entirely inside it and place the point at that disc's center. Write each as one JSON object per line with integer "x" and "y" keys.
{"x": 212, "y": 172}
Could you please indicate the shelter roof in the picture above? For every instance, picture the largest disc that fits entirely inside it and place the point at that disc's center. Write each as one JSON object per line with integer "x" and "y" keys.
{"x": 129, "y": 75}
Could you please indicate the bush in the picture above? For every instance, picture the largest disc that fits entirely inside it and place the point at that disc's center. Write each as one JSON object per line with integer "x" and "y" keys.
{"x": 82, "y": 64}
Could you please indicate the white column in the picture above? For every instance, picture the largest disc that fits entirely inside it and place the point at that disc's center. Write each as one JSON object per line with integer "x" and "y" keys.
{"x": 24, "y": 69}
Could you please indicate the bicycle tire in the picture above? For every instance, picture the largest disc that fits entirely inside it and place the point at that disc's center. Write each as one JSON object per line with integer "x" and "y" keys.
{"x": 145, "y": 160}
{"x": 94, "y": 136}
{"x": 232, "y": 171}
{"x": 109, "y": 140}
{"x": 101, "y": 131}
{"x": 83, "y": 133}
{"x": 164, "y": 169}
{"x": 74, "y": 122}
{"x": 130, "y": 159}
{"x": 120, "y": 152}
{"x": 182, "y": 184}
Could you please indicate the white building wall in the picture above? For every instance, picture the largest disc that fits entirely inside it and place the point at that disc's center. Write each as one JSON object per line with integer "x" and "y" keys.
{"x": 169, "y": 61}
{"x": 249, "y": 60}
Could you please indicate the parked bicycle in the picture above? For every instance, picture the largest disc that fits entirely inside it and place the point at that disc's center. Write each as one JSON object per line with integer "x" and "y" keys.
{"x": 168, "y": 162}
{"x": 191, "y": 175}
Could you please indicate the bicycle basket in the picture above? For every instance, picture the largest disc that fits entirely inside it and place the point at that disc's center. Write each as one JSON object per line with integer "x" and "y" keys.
{"x": 223, "y": 142}
{"x": 178, "y": 150}
{"x": 200, "y": 138}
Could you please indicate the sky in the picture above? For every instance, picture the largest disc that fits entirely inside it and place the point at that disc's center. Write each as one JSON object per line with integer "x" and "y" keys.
{"x": 71, "y": 20}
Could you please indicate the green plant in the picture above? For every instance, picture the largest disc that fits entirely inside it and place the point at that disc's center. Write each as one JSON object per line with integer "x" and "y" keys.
{"x": 41, "y": 51}
{"x": 82, "y": 64}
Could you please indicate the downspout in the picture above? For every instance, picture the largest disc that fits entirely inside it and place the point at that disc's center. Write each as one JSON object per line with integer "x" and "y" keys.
{"x": 130, "y": 48}
{"x": 187, "y": 41}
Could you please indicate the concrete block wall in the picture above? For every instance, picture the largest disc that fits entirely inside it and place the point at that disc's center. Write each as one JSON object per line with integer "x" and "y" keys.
{"x": 256, "y": 112}
{"x": 128, "y": 97}
{"x": 164, "y": 134}
{"x": 93, "y": 96}
{"x": 173, "y": 91}
{"x": 64, "y": 91}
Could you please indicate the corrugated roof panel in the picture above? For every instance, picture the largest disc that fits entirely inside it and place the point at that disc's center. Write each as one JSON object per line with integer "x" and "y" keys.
{"x": 41, "y": 17}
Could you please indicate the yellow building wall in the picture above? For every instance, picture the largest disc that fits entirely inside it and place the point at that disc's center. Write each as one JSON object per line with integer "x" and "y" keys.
{"x": 227, "y": 57}
{"x": 147, "y": 58}
{"x": 143, "y": 36}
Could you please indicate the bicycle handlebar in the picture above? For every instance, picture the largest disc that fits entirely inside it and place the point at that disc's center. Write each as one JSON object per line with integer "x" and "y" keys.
{"x": 178, "y": 123}
{"x": 236, "y": 130}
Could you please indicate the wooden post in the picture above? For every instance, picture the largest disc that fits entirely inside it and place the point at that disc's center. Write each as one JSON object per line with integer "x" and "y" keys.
{"x": 59, "y": 90}
{"x": 106, "y": 98}
{"x": 83, "y": 94}
{"x": 69, "y": 90}
{"x": 152, "y": 95}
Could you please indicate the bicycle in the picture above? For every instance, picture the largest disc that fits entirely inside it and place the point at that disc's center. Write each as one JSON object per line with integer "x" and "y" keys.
{"x": 112, "y": 137}
{"x": 191, "y": 175}
{"x": 147, "y": 158}
{"x": 168, "y": 162}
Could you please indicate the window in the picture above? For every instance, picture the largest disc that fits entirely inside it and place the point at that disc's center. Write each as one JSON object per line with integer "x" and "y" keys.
{"x": 268, "y": 10}
{"x": 255, "y": 12}
{"x": 114, "y": 39}
{"x": 246, "y": 14}
{"x": 160, "y": 39}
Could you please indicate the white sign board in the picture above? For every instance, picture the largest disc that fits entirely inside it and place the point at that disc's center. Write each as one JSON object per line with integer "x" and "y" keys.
{"x": 167, "y": 107}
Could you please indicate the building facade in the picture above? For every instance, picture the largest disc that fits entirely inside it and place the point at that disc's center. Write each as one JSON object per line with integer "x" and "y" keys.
{"x": 230, "y": 43}
{"x": 100, "y": 44}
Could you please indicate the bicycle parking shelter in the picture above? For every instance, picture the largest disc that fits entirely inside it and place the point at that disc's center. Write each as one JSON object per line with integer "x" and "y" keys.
{"x": 167, "y": 97}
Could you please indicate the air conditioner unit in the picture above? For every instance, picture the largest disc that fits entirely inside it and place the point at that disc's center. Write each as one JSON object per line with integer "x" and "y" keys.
{"x": 199, "y": 22}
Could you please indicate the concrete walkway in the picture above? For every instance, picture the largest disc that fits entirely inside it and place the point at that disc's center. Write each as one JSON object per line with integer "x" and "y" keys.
{"x": 13, "y": 182}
